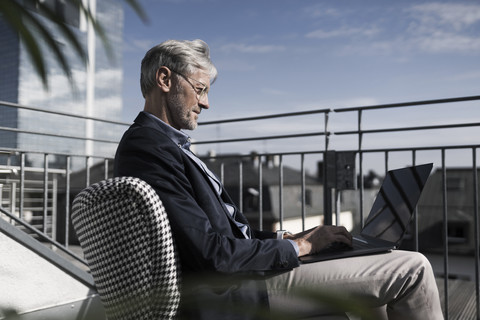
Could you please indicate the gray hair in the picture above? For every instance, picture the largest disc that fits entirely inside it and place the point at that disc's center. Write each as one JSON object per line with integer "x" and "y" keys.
{"x": 181, "y": 56}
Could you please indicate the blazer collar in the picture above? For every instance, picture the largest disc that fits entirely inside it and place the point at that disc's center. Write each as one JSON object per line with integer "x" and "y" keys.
{"x": 180, "y": 138}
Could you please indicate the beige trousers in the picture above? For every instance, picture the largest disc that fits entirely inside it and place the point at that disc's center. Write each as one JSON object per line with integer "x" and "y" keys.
{"x": 400, "y": 282}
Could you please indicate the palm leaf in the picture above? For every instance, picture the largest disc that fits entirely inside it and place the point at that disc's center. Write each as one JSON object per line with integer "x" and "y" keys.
{"x": 99, "y": 30}
{"x": 30, "y": 19}
{"x": 13, "y": 13}
{"x": 24, "y": 22}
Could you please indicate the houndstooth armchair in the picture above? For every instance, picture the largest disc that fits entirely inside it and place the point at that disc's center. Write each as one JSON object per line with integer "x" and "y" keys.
{"x": 125, "y": 234}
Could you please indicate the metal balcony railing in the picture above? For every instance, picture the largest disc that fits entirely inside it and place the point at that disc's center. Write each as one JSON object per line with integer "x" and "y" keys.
{"x": 285, "y": 181}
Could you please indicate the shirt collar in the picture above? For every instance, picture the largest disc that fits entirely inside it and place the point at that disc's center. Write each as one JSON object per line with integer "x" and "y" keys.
{"x": 180, "y": 138}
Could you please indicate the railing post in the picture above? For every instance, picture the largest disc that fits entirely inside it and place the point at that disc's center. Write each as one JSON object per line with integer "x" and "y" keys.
{"x": 22, "y": 185}
{"x": 415, "y": 211}
{"x": 327, "y": 188}
{"x": 13, "y": 197}
{"x": 87, "y": 171}
{"x": 445, "y": 231}
{"x": 386, "y": 161}
{"x": 67, "y": 202}
{"x": 54, "y": 207}
{"x": 45, "y": 193}
{"x": 327, "y": 191}
{"x": 240, "y": 185}
{"x": 302, "y": 159}
{"x": 476, "y": 230}
{"x": 280, "y": 191}
{"x": 106, "y": 169}
{"x": 260, "y": 193}
{"x": 222, "y": 172}
{"x": 360, "y": 165}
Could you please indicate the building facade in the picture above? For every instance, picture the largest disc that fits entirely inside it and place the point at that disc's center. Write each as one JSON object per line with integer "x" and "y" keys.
{"x": 97, "y": 90}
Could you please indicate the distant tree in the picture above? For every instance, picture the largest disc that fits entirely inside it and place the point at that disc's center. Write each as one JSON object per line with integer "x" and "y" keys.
{"x": 372, "y": 180}
{"x": 32, "y": 31}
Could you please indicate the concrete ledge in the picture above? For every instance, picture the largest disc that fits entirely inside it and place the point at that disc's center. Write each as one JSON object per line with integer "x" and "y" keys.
{"x": 35, "y": 280}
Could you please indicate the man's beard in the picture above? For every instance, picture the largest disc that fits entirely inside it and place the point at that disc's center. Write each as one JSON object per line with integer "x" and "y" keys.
{"x": 184, "y": 118}
{"x": 187, "y": 122}
{"x": 190, "y": 124}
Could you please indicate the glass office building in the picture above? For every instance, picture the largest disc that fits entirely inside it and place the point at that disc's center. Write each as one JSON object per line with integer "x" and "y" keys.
{"x": 21, "y": 85}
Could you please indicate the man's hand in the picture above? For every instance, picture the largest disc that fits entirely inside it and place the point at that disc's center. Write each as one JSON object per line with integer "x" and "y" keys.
{"x": 313, "y": 240}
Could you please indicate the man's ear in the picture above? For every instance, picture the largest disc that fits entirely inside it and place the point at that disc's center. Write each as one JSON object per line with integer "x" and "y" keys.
{"x": 163, "y": 78}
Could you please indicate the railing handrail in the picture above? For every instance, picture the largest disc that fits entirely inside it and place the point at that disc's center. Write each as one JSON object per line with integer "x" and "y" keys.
{"x": 55, "y": 135}
{"x": 415, "y": 128}
{"x": 408, "y": 104}
{"x": 267, "y": 116}
{"x": 283, "y": 136}
{"x": 65, "y": 154}
{"x": 61, "y": 113}
{"x": 346, "y": 109}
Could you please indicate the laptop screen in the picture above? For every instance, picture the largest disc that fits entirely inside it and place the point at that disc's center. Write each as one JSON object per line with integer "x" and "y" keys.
{"x": 393, "y": 208}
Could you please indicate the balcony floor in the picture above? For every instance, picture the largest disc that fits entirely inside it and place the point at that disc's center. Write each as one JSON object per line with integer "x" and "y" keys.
{"x": 461, "y": 298}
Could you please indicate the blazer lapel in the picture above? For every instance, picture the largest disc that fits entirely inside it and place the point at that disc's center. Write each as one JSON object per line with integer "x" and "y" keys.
{"x": 215, "y": 184}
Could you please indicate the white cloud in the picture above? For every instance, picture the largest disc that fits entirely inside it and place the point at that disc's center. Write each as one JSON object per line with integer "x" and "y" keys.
{"x": 448, "y": 15}
{"x": 134, "y": 45}
{"x": 321, "y": 11}
{"x": 245, "y": 48}
{"x": 354, "y": 102}
{"x": 440, "y": 42}
{"x": 343, "y": 32}
{"x": 445, "y": 27}
{"x": 428, "y": 27}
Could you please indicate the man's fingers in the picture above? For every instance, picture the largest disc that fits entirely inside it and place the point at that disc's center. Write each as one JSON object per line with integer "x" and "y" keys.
{"x": 341, "y": 234}
{"x": 344, "y": 239}
{"x": 338, "y": 230}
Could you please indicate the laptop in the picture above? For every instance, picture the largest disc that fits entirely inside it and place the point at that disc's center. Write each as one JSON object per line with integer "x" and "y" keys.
{"x": 389, "y": 217}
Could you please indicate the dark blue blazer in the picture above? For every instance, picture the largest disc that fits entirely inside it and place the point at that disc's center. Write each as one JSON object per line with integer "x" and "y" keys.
{"x": 208, "y": 240}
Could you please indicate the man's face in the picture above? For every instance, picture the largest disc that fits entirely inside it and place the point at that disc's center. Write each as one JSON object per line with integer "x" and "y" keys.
{"x": 185, "y": 102}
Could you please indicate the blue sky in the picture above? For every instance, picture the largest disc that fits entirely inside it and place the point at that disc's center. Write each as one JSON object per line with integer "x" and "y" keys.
{"x": 296, "y": 55}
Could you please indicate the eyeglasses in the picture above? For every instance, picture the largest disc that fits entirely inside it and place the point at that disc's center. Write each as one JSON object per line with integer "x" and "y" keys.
{"x": 201, "y": 92}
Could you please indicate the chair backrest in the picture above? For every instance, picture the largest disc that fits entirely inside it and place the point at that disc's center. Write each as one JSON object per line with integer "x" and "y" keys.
{"x": 125, "y": 234}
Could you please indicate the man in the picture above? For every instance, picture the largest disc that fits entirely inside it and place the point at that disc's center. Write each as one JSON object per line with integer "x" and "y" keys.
{"x": 214, "y": 238}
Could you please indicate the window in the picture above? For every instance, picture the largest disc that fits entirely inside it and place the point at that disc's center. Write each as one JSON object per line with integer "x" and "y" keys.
{"x": 455, "y": 184}
{"x": 308, "y": 197}
{"x": 68, "y": 11}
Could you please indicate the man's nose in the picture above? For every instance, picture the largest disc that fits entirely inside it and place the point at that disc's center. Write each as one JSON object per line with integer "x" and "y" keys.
{"x": 203, "y": 102}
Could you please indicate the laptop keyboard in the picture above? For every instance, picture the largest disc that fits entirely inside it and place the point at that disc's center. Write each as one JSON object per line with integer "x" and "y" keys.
{"x": 361, "y": 244}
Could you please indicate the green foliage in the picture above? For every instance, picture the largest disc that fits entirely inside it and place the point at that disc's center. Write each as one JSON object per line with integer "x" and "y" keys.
{"x": 32, "y": 32}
